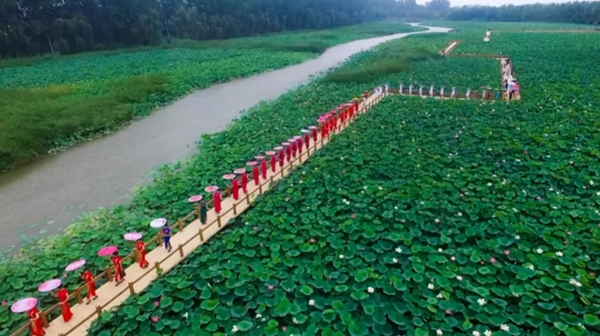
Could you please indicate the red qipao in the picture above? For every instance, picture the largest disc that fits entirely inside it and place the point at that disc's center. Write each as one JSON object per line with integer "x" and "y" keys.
{"x": 217, "y": 202}
{"x": 255, "y": 175}
{"x": 235, "y": 189}
{"x": 288, "y": 152}
{"x": 245, "y": 183}
{"x": 294, "y": 148}
{"x": 314, "y": 134}
{"x": 141, "y": 247}
{"x": 281, "y": 158}
{"x": 89, "y": 280}
{"x": 307, "y": 140}
{"x": 323, "y": 130}
{"x": 63, "y": 297}
{"x": 273, "y": 163}
{"x": 116, "y": 260}
{"x": 35, "y": 322}
{"x": 299, "y": 145}
{"x": 263, "y": 168}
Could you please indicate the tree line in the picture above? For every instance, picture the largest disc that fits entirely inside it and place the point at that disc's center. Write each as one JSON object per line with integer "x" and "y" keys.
{"x": 570, "y": 12}
{"x": 32, "y": 27}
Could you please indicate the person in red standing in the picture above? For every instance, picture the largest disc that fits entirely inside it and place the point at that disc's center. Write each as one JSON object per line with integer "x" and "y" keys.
{"x": 273, "y": 163}
{"x": 255, "y": 175}
{"x": 263, "y": 168}
{"x": 141, "y": 248}
{"x": 35, "y": 322}
{"x": 244, "y": 183}
{"x": 118, "y": 264}
{"x": 63, "y": 297}
{"x": 88, "y": 277}
{"x": 235, "y": 189}
{"x": 217, "y": 201}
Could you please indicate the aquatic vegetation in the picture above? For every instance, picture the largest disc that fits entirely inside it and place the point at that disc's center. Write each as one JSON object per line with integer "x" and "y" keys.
{"x": 53, "y": 104}
{"x": 489, "y": 184}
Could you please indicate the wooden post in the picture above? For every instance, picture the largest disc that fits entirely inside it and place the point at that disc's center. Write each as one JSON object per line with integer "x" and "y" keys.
{"x": 247, "y": 199}
{"x": 44, "y": 319}
{"x": 180, "y": 225}
{"x": 282, "y": 169}
{"x": 180, "y": 248}
{"x": 98, "y": 310}
{"x": 109, "y": 276}
{"x": 271, "y": 179}
{"x": 234, "y": 207}
{"x": 201, "y": 235}
{"x": 157, "y": 267}
{"x": 260, "y": 191}
{"x": 131, "y": 289}
{"x": 78, "y": 295}
{"x": 219, "y": 220}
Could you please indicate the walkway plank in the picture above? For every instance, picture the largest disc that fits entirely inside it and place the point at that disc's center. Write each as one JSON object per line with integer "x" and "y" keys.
{"x": 111, "y": 296}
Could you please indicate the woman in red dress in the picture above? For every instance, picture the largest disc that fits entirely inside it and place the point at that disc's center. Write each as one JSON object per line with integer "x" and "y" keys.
{"x": 63, "y": 297}
{"x": 35, "y": 322}
{"x": 118, "y": 263}
{"x": 88, "y": 277}
{"x": 141, "y": 247}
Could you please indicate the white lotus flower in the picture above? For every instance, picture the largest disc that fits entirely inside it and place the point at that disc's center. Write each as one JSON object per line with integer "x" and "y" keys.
{"x": 234, "y": 329}
{"x": 489, "y": 184}
{"x": 399, "y": 250}
{"x": 341, "y": 256}
{"x": 539, "y": 250}
{"x": 371, "y": 289}
{"x": 460, "y": 214}
{"x": 437, "y": 220}
{"x": 487, "y": 333}
{"x": 459, "y": 278}
{"x": 258, "y": 316}
{"x": 517, "y": 237}
{"x": 295, "y": 321}
{"x": 530, "y": 266}
{"x": 395, "y": 261}
{"x": 476, "y": 333}
{"x": 185, "y": 315}
{"x": 481, "y": 302}
{"x": 440, "y": 250}
{"x": 380, "y": 188}
{"x": 560, "y": 254}
{"x": 439, "y": 296}
{"x": 591, "y": 182}
{"x": 575, "y": 283}
{"x": 430, "y": 286}
{"x": 439, "y": 332}
{"x": 505, "y": 327}
{"x": 311, "y": 302}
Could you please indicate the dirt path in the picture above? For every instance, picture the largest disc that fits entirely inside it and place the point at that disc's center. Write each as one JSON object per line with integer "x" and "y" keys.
{"x": 448, "y": 49}
{"x": 184, "y": 243}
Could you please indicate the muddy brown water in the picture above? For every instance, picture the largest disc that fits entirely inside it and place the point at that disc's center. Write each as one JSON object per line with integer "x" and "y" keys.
{"x": 41, "y": 198}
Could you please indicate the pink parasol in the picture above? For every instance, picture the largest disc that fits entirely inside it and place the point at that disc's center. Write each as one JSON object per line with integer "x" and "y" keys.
{"x": 229, "y": 176}
{"x": 106, "y": 251}
{"x": 270, "y": 153}
{"x": 259, "y": 157}
{"x": 24, "y": 305}
{"x": 290, "y": 140}
{"x": 297, "y": 137}
{"x": 75, "y": 265}
{"x": 251, "y": 163}
{"x": 195, "y": 198}
{"x": 49, "y": 285}
{"x": 305, "y": 131}
{"x": 132, "y": 236}
{"x": 312, "y": 127}
{"x": 240, "y": 170}
{"x": 158, "y": 223}
{"x": 278, "y": 148}
{"x": 285, "y": 144}
{"x": 211, "y": 189}
{"x": 320, "y": 121}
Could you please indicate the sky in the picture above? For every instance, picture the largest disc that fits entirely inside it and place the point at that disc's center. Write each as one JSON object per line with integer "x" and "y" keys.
{"x": 499, "y": 2}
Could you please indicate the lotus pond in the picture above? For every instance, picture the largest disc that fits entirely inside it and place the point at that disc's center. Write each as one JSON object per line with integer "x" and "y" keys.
{"x": 528, "y": 145}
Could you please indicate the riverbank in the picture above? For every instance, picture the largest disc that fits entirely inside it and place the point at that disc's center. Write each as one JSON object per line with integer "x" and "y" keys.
{"x": 223, "y": 151}
{"x": 51, "y": 105}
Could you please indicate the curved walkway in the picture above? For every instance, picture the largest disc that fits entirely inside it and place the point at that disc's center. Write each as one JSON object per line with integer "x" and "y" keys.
{"x": 184, "y": 243}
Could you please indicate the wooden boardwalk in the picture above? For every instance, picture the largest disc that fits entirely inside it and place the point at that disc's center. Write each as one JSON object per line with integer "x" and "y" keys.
{"x": 184, "y": 243}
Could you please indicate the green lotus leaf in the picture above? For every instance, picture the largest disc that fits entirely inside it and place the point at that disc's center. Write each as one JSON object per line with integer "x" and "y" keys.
{"x": 592, "y": 320}
{"x": 283, "y": 307}
{"x": 210, "y": 304}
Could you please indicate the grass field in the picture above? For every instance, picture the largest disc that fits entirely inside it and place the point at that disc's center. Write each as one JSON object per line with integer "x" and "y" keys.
{"x": 50, "y": 104}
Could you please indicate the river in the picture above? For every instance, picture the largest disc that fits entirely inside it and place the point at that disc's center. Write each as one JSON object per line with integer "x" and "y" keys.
{"x": 56, "y": 189}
